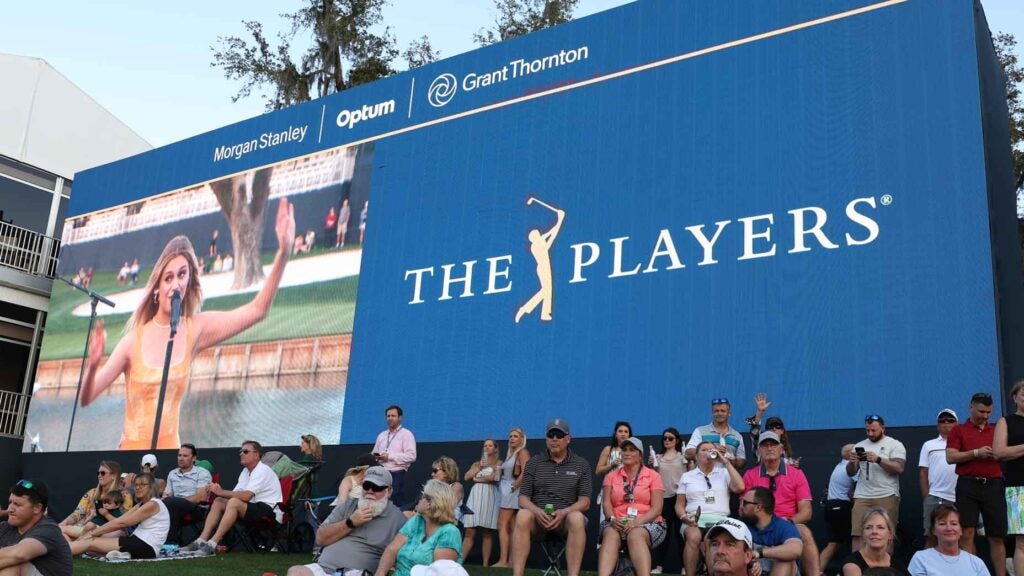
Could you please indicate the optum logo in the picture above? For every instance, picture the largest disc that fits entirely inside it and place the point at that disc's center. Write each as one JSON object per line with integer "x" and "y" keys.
{"x": 442, "y": 89}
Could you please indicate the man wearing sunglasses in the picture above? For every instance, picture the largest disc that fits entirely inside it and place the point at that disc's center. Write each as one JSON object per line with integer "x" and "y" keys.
{"x": 879, "y": 460}
{"x": 777, "y": 543}
{"x": 979, "y": 480}
{"x": 561, "y": 479}
{"x": 790, "y": 490}
{"x": 356, "y": 533}
{"x": 720, "y": 432}
{"x": 40, "y": 547}
{"x": 936, "y": 477}
{"x": 256, "y": 495}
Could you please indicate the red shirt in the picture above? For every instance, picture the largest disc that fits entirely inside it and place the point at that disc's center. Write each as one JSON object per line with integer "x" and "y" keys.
{"x": 647, "y": 481}
{"x": 790, "y": 487}
{"x": 968, "y": 436}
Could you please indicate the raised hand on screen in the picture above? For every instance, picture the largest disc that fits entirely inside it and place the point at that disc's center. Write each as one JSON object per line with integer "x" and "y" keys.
{"x": 284, "y": 227}
{"x": 97, "y": 343}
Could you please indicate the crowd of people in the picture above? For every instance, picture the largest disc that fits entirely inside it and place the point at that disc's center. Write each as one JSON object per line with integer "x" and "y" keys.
{"x": 730, "y": 518}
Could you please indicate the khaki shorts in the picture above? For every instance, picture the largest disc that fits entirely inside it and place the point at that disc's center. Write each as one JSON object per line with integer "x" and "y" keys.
{"x": 891, "y": 504}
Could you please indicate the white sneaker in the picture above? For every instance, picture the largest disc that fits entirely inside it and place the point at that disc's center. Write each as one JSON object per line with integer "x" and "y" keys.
{"x": 118, "y": 556}
{"x": 656, "y": 570}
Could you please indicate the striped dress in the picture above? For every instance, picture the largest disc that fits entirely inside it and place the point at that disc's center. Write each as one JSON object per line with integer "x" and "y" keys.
{"x": 483, "y": 501}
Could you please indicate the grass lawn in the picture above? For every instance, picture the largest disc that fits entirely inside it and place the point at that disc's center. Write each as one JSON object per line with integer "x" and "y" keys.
{"x": 230, "y": 564}
{"x": 298, "y": 311}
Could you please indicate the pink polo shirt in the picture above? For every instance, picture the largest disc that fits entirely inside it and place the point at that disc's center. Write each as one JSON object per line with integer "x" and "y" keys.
{"x": 790, "y": 487}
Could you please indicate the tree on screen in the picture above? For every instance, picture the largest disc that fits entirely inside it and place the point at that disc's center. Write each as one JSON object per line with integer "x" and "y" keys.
{"x": 344, "y": 51}
{"x": 243, "y": 200}
{"x": 518, "y": 17}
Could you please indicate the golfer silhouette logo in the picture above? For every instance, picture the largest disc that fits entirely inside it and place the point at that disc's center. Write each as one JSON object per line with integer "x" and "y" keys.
{"x": 540, "y": 247}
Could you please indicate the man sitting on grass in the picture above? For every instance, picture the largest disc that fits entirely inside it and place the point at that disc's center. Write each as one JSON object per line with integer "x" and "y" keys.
{"x": 32, "y": 541}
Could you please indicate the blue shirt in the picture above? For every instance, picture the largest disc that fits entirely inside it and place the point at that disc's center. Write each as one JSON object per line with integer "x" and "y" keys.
{"x": 775, "y": 533}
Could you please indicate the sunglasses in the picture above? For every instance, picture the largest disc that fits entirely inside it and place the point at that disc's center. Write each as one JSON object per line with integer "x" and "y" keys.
{"x": 708, "y": 481}
{"x": 31, "y": 487}
{"x": 776, "y": 427}
{"x": 771, "y": 484}
{"x": 102, "y": 472}
{"x": 722, "y": 400}
{"x": 668, "y": 439}
{"x": 947, "y": 420}
{"x": 745, "y": 502}
{"x": 556, "y": 434}
{"x": 872, "y": 418}
{"x": 983, "y": 397}
{"x": 244, "y": 451}
{"x": 371, "y": 487}
{"x": 435, "y": 470}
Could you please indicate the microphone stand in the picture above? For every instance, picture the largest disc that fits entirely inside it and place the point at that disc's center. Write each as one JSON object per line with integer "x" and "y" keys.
{"x": 95, "y": 299}
{"x": 175, "y": 317}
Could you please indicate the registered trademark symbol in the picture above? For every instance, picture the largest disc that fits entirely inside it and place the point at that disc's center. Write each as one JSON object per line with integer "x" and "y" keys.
{"x": 886, "y": 199}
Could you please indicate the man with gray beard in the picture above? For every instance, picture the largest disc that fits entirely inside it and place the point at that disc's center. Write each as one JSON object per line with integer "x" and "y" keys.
{"x": 356, "y": 533}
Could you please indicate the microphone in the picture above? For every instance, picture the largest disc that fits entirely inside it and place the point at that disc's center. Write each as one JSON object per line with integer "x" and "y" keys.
{"x": 175, "y": 311}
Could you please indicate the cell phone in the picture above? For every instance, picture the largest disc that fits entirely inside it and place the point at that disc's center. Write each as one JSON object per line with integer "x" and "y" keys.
{"x": 860, "y": 452}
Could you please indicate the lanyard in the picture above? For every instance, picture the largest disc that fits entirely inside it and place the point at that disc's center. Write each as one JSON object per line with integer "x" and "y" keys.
{"x": 392, "y": 437}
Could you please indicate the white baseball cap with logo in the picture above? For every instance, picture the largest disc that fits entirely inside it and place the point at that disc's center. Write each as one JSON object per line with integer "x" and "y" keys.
{"x": 440, "y": 568}
{"x": 738, "y": 530}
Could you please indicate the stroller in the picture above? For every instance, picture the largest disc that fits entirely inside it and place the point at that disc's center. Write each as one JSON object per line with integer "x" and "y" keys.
{"x": 299, "y": 529}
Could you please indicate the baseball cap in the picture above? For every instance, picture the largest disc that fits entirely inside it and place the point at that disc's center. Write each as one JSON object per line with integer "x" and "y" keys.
{"x": 738, "y": 530}
{"x": 774, "y": 421}
{"x": 558, "y": 424}
{"x": 150, "y": 460}
{"x": 947, "y": 411}
{"x": 440, "y": 568}
{"x": 634, "y": 441}
{"x": 378, "y": 476}
{"x": 366, "y": 460}
{"x": 769, "y": 435}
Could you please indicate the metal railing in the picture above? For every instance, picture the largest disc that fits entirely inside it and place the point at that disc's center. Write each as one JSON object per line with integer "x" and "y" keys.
{"x": 28, "y": 251}
{"x": 12, "y": 413}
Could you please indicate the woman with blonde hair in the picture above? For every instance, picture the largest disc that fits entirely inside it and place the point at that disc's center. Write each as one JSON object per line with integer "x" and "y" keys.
{"x": 108, "y": 479}
{"x": 876, "y": 542}
{"x": 351, "y": 485}
{"x": 511, "y": 475}
{"x": 311, "y": 449}
{"x": 446, "y": 470}
{"x": 140, "y": 353}
{"x": 428, "y": 536}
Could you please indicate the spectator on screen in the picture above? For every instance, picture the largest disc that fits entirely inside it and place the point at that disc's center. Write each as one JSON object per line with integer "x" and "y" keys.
{"x": 137, "y": 355}
{"x": 330, "y": 226}
{"x": 344, "y": 215}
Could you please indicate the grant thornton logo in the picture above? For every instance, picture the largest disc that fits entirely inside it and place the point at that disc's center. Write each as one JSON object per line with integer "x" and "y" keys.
{"x": 442, "y": 89}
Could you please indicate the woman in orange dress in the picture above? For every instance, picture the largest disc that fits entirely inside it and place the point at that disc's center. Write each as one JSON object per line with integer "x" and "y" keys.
{"x": 140, "y": 353}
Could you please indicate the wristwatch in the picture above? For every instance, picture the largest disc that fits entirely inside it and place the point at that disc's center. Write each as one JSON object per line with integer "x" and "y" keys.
{"x": 349, "y": 523}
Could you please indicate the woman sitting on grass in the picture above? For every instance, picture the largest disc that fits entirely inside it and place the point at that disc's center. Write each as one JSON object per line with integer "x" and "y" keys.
{"x": 151, "y": 520}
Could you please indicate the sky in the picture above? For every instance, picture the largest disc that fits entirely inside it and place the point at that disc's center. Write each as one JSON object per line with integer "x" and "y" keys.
{"x": 148, "y": 63}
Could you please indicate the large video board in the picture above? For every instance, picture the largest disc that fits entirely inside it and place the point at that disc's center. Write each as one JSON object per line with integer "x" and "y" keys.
{"x": 620, "y": 218}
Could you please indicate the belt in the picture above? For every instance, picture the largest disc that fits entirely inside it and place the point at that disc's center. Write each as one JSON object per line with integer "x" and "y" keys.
{"x": 981, "y": 479}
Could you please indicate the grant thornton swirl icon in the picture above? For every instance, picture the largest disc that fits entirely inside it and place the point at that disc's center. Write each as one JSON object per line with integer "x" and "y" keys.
{"x": 540, "y": 246}
{"x": 442, "y": 89}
